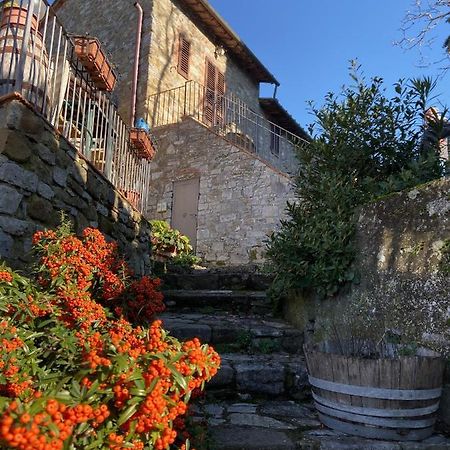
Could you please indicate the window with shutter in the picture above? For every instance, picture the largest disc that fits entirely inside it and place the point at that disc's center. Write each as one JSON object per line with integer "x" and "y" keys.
{"x": 184, "y": 54}
{"x": 214, "y": 95}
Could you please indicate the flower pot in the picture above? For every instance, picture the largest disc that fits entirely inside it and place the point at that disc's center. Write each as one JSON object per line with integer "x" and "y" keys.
{"x": 387, "y": 398}
{"x": 34, "y": 86}
{"x": 142, "y": 143}
{"x": 93, "y": 58}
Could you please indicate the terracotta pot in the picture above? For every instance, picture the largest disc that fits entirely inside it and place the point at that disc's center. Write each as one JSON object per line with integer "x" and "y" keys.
{"x": 142, "y": 143}
{"x": 93, "y": 58}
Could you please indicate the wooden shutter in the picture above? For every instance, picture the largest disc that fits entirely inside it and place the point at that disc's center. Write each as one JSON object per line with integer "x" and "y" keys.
{"x": 210, "y": 87}
{"x": 184, "y": 53}
{"x": 220, "y": 102}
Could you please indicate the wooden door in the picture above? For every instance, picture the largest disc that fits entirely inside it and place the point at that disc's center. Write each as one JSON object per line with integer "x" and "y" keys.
{"x": 185, "y": 208}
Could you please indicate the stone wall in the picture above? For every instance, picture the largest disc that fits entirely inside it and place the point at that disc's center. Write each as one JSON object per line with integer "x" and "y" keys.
{"x": 169, "y": 20}
{"x": 241, "y": 201}
{"x": 400, "y": 248}
{"x": 41, "y": 174}
{"x": 114, "y": 23}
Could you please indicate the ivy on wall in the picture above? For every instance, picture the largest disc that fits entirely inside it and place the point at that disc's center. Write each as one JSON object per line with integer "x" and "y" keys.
{"x": 365, "y": 145}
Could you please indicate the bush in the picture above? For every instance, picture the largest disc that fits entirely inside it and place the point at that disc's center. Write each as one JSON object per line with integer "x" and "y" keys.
{"x": 74, "y": 373}
{"x": 168, "y": 242}
{"x": 366, "y": 145}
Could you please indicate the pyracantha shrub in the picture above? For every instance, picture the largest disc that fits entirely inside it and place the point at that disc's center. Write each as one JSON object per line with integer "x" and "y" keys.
{"x": 74, "y": 372}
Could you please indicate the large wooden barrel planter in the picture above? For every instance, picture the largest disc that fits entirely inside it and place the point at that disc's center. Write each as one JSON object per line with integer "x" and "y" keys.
{"x": 391, "y": 398}
{"x": 36, "y": 64}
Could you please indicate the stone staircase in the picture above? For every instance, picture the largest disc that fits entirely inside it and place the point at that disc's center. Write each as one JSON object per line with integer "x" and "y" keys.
{"x": 260, "y": 398}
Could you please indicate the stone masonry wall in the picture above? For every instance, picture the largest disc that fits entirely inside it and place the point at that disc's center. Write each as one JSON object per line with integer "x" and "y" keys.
{"x": 400, "y": 243}
{"x": 40, "y": 175}
{"x": 114, "y": 23}
{"x": 241, "y": 201}
{"x": 169, "y": 20}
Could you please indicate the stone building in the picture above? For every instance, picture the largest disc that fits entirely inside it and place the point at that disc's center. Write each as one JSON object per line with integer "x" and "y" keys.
{"x": 222, "y": 170}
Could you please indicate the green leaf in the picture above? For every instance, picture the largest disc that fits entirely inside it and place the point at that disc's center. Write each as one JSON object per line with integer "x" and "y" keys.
{"x": 127, "y": 414}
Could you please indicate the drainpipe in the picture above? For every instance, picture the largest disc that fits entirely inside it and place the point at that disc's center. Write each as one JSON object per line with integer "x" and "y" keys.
{"x": 136, "y": 63}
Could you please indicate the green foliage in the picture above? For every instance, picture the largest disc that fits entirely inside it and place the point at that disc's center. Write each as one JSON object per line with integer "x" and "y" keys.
{"x": 168, "y": 240}
{"x": 365, "y": 145}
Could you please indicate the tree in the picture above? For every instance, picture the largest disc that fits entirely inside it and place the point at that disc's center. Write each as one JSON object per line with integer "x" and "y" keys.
{"x": 364, "y": 145}
{"x": 420, "y": 23}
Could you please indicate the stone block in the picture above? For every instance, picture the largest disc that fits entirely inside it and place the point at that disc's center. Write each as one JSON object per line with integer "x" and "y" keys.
{"x": 42, "y": 210}
{"x": 44, "y": 190}
{"x": 14, "y": 174}
{"x": 47, "y": 155}
{"x": 10, "y": 199}
{"x": 15, "y": 146}
{"x": 14, "y": 226}
{"x": 6, "y": 245}
{"x": 238, "y": 438}
{"x": 261, "y": 379}
{"x": 60, "y": 176}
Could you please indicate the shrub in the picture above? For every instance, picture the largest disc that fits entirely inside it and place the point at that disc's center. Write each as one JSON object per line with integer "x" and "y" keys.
{"x": 366, "y": 145}
{"x": 74, "y": 373}
{"x": 167, "y": 240}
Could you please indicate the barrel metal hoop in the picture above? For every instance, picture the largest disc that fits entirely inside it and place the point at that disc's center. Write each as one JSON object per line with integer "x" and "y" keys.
{"x": 378, "y": 412}
{"x": 377, "y": 421}
{"x": 374, "y": 432}
{"x": 372, "y": 392}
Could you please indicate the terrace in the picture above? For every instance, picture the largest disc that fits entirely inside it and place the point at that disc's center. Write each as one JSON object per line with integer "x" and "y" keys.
{"x": 68, "y": 80}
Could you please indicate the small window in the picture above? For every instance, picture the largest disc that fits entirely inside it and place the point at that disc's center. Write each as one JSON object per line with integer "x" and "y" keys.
{"x": 275, "y": 133}
{"x": 184, "y": 54}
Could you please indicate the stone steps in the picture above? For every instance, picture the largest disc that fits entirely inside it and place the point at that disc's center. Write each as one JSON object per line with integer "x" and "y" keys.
{"x": 258, "y": 376}
{"x": 217, "y": 279}
{"x": 285, "y": 425}
{"x": 238, "y": 301}
{"x": 235, "y": 333}
{"x": 260, "y": 398}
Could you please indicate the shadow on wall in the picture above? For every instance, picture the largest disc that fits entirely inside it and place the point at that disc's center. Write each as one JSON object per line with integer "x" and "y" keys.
{"x": 41, "y": 174}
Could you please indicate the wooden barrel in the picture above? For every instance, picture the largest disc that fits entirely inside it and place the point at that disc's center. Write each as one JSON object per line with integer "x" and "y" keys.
{"x": 35, "y": 73}
{"x": 391, "y": 398}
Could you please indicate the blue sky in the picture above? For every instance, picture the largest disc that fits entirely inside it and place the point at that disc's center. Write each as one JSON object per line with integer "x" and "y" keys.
{"x": 307, "y": 44}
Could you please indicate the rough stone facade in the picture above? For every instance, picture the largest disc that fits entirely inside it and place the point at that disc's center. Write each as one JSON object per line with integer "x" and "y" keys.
{"x": 241, "y": 201}
{"x": 164, "y": 20}
{"x": 114, "y": 23}
{"x": 169, "y": 20}
{"x": 40, "y": 175}
{"x": 400, "y": 245}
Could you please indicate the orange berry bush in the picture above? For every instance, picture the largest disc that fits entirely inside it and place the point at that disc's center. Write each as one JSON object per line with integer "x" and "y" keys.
{"x": 78, "y": 367}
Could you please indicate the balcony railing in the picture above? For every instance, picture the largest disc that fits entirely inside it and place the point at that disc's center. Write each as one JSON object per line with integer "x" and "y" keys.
{"x": 38, "y": 60}
{"x": 227, "y": 116}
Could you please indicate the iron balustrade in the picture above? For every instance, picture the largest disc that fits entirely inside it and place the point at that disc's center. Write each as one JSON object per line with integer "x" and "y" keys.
{"x": 38, "y": 61}
{"x": 229, "y": 117}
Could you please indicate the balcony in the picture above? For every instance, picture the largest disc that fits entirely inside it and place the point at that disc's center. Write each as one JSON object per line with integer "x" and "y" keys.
{"x": 39, "y": 61}
{"x": 229, "y": 117}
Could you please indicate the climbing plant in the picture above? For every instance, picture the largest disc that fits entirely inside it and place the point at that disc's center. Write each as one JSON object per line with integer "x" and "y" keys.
{"x": 364, "y": 145}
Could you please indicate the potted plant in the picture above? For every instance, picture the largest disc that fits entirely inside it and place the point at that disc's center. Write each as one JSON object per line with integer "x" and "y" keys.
{"x": 168, "y": 242}
{"x": 376, "y": 368}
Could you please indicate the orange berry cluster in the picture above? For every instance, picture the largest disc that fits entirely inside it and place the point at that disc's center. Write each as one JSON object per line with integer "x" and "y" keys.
{"x": 117, "y": 382}
{"x": 5, "y": 277}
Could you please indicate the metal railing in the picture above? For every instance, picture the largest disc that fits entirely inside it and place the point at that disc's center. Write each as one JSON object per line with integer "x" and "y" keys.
{"x": 226, "y": 115}
{"x": 38, "y": 60}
